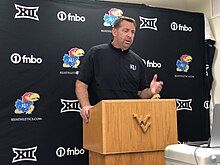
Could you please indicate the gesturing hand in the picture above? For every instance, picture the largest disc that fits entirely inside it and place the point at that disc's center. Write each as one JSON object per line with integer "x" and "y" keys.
{"x": 155, "y": 86}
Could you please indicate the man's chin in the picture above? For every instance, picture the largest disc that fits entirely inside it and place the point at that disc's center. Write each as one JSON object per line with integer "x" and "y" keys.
{"x": 127, "y": 46}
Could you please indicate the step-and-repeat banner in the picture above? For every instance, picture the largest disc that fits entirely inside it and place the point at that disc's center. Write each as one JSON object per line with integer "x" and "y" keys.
{"x": 42, "y": 44}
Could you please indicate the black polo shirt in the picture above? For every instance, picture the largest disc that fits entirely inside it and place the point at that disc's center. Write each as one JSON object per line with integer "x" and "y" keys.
{"x": 111, "y": 73}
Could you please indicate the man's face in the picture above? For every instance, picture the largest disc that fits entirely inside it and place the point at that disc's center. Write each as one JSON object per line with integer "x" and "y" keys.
{"x": 124, "y": 35}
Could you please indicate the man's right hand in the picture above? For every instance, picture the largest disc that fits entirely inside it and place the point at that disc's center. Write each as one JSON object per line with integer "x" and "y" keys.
{"x": 84, "y": 112}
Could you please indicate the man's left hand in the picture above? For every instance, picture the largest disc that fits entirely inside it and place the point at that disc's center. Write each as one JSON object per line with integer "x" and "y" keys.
{"x": 156, "y": 86}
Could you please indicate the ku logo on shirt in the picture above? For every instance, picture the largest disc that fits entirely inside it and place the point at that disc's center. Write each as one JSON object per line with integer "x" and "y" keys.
{"x": 133, "y": 67}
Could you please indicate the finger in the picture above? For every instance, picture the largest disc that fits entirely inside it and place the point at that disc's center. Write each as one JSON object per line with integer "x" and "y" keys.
{"x": 85, "y": 119}
{"x": 84, "y": 112}
{"x": 155, "y": 77}
{"x": 83, "y": 115}
{"x": 87, "y": 114}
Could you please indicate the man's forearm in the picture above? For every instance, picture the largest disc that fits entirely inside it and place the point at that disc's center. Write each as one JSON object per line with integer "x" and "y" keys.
{"x": 145, "y": 94}
{"x": 82, "y": 93}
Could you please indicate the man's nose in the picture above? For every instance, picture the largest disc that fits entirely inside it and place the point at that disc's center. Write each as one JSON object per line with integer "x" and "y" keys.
{"x": 129, "y": 34}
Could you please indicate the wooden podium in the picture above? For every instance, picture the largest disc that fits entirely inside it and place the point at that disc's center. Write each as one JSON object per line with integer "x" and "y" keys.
{"x": 130, "y": 132}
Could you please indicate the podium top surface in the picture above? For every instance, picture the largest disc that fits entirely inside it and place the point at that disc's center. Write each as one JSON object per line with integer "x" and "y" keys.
{"x": 135, "y": 100}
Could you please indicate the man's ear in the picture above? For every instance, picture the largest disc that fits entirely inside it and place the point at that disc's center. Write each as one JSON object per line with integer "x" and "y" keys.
{"x": 114, "y": 32}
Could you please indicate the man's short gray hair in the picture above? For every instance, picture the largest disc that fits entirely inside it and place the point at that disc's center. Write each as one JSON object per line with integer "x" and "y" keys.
{"x": 123, "y": 18}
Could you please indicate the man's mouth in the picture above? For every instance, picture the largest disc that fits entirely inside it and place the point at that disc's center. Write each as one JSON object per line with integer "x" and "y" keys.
{"x": 127, "y": 41}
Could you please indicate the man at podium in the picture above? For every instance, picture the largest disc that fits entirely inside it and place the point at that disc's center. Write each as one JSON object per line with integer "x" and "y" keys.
{"x": 113, "y": 71}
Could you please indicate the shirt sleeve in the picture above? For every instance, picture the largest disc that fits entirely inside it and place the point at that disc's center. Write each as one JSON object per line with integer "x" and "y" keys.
{"x": 86, "y": 68}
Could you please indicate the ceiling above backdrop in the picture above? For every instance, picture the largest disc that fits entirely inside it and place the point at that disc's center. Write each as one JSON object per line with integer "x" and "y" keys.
{"x": 188, "y": 5}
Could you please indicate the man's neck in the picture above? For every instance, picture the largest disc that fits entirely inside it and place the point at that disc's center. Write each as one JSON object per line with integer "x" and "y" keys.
{"x": 117, "y": 46}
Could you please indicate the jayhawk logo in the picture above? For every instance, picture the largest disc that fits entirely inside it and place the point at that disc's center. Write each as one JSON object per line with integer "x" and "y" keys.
{"x": 71, "y": 60}
{"x": 26, "y": 104}
{"x": 112, "y": 15}
{"x": 183, "y": 63}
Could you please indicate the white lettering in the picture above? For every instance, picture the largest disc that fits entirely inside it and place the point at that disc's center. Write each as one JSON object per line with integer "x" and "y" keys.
{"x": 62, "y": 16}
{"x": 26, "y": 12}
{"x": 17, "y": 58}
{"x": 61, "y": 152}
{"x": 75, "y": 151}
{"x": 148, "y": 23}
{"x": 178, "y": 27}
{"x": 24, "y": 154}
{"x": 153, "y": 64}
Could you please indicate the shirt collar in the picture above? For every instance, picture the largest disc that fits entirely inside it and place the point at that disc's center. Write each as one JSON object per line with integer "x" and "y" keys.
{"x": 118, "y": 49}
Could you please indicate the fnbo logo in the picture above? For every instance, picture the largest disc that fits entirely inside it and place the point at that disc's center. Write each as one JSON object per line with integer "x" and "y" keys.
{"x": 17, "y": 58}
{"x": 179, "y": 27}
{"x": 152, "y": 64}
{"x": 61, "y": 152}
{"x": 63, "y": 16}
